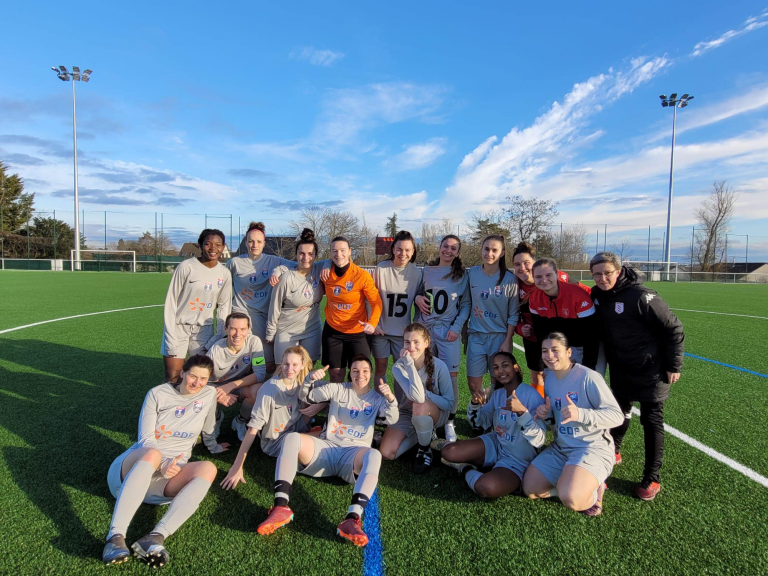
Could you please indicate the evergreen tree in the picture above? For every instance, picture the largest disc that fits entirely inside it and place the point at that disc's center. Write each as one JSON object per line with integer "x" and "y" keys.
{"x": 15, "y": 204}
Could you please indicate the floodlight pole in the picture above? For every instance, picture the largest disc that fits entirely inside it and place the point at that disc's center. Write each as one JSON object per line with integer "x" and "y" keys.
{"x": 669, "y": 200}
{"x": 77, "y": 197}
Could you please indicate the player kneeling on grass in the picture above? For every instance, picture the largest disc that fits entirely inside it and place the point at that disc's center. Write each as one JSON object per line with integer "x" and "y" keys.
{"x": 583, "y": 410}
{"x": 343, "y": 449}
{"x": 276, "y": 412}
{"x": 156, "y": 470}
{"x": 425, "y": 398}
{"x": 238, "y": 368}
{"x": 507, "y": 448}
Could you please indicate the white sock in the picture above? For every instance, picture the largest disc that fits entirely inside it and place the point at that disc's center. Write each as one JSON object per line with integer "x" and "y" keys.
{"x": 183, "y": 506}
{"x": 423, "y": 426}
{"x": 472, "y": 477}
{"x": 130, "y": 497}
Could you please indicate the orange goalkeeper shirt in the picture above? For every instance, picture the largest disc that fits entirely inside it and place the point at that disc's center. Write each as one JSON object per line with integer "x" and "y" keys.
{"x": 346, "y": 297}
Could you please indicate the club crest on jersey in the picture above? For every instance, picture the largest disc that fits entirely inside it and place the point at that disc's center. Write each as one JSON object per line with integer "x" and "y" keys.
{"x": 574, "y": 396}
{"x": 207, "y": 287}
{"x": 198, "y": 406}
{"x": 336, "y": 290}
{"x": 307, "y": 293}
{"x": 484, "y": 294}
{"x": 264, "y": 272}
{"x": 367, "y": 409}
{"x": 565, "y": 312}
{"x": 354, "y": 412}
{"x": 246, "y": 359}
{"x": 349, "y": 286}
{"x": 503, "y": 417}
{"x": 220, "y": 282}
{"x": 497, "y": 291}
{"x": 558, "y": 404}
{"x": 619, "y": 307}
{"x": 180, "y": 410}
{"x": 252, "y": 279}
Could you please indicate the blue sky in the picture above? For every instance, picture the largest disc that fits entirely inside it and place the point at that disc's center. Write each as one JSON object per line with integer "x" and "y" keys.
{"x": 433, "y": 110}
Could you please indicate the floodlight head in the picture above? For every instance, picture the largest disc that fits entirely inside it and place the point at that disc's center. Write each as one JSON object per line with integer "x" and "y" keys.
{"x": 663, "y": 96}
{"x": 55, "y": 69}
{"x": 673, "y": 96}
{"x": 86, "y": 74}
{"x": 690, "y": 97}
{"x": 684, "y": 97}
{"x": 63, "y": 69}
{"x": 76, "y": 72}
{"x": 664, "y": 103}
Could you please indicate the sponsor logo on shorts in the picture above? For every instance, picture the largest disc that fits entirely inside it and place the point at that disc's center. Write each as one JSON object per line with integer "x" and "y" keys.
{"x": 207, "y": 287}
{"x": 336, "y": 290}
{"x": 619, "y": 307}
{"x": 180, "y": 410}
{"x": 497, "y": 291}
{"x": 485, "y": 294}
{"x": 264, "y": 272}
{"x": 354, "y": 413}
{"x": 574, "y": 396}
{"x": 349, "y": 286}
{"x": 253, "y": 279}
{"x": 198, "y": 406}
{"x": 558, "y": 404}
{"x": 220, "y": 282}
{"x": 367, "y": 409}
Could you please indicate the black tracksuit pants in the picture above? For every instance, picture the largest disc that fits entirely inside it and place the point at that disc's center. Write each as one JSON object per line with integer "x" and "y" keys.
{"x": 652, "y": 420}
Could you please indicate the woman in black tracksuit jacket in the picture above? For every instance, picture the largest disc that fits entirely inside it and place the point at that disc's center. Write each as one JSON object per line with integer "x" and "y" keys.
{"x": 644, "y": 347}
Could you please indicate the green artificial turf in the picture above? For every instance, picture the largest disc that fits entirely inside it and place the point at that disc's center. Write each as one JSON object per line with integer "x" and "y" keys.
{"x": 71, "y": 391}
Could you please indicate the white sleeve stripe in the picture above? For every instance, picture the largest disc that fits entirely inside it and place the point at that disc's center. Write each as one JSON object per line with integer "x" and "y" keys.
{"x": 586, "y": 313}
{"x": 533, "y": 311}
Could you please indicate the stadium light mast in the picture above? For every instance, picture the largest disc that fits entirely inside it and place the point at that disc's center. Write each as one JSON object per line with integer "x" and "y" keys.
{"x": 675, "y": 103}
{"x": 65, "y": 76}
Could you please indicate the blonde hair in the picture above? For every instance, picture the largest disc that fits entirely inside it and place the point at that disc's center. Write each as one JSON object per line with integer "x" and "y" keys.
{"x": 305, "y": 360}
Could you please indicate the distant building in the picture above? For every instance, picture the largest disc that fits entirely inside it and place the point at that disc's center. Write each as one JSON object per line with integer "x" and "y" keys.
{"x": 283, "y": 246}
{"x": 192, "y": 249}
{"x": 752, "y": 272}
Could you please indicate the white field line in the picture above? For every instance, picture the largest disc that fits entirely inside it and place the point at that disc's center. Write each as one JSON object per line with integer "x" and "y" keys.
{"x": 720, "y": 313}
{"x": 731, "y": 463}
{"x": 76, "y": 316}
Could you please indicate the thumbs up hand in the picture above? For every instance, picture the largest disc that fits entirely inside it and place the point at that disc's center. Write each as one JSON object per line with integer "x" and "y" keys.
{"x": 514, "y": 404}
{"x": 173, "y": 468}
{"x": 570, "y": 413}
{"x": 318, "y": 374}
{"x": 543, "y": 410}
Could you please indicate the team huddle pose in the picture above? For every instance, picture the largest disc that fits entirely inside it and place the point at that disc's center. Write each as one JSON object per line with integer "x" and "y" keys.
{"x": 261, "y": 345}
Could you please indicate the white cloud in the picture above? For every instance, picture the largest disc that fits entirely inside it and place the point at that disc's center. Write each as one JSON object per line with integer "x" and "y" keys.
{"x": 416, "y": 156}
{"x": 315, "y": 56}
{"x": 751, "y": 23}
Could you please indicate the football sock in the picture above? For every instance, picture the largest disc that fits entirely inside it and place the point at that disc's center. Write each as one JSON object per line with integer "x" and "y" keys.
{"x": 245, "y": 410}
{"x": 183, "y": 506}
{"x": 472, "y": 476}
{"x": 407, "y": 443}
{"x": 130, "y": 497}
{"x": 455, "y": 384}
{"x": 287, "y": 465}
{"x": 282, "y": 492}
{"x": 366, "y": 481}
{"x": 423, "y": 426}
{"x": 552, "y": 493}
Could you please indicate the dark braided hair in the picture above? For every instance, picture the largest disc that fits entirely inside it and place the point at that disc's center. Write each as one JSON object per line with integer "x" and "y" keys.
{"x": 457, "y": 266}
{"x": 403, "y": 236}
{"x": 210, "y": 232}
{"x": 502, "y": 257}
{"x": 429, "y": 358}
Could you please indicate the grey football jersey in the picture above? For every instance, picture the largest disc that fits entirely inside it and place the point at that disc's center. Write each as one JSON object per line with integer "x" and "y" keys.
{"x": 250, "y": 281}
{"x": 351, "y": 418}
{"x": 598, "y": 410}
{"x": 397, "y": 287}
{"x": 493, "y": 307}
{"x": 294, "y": 306}
{"x": 171, "y": 421}
{"x": 193, "y": 294}
{"x": 412, "y": 384}
{"x": 276, "y": 412}
{"x": 509, "y": 429}
{"x": 232, "y": 366}
{"x": 450, "y": 299}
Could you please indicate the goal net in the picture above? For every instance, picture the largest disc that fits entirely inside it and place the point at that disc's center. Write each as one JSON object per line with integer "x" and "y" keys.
{"x": 654, "y": 270}
{"x": 103, "y": 261}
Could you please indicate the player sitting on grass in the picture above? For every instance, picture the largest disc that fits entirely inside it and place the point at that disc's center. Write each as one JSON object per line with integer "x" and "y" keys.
{"x": 507, "y": 448}
{"x": 343, "y": 449}
{"x": 238, "y": 368}
{"x": 575, "y": 465}
{"x": 276, "y": 411}
{"x": 156, "y": 470}
{"x": 425, "y": 397}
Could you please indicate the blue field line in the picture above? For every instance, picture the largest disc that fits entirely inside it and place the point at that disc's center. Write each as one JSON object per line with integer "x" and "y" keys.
{"x": 727, "y": 365}
{"x": 373, "y": 553}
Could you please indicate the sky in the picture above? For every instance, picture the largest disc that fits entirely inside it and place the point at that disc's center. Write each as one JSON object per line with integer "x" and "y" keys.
{"x": 431, "y": 110}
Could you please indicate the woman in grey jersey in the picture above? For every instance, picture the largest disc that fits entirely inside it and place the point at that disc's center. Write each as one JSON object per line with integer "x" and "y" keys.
{"x": 198, "y": 287}
{"x": 425, "y": 395}
{"x": 251, "y": 288}
{"x": 294, "y": 307}
{"x": 156, "y": 469}
{"x": 494, "y": 311}
{"x": 582, "y": 410}
{"x": 444, "y": 311}
{"x": 276, "y": 411}
{"x": 506, "y": 448}
{"x": 343, "y": 449}
{"x": 398, "y": 281}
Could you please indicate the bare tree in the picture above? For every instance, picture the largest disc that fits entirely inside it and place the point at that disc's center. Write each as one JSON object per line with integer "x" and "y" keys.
{"x": 430, "y": 238}
{"x": 528, "y": 216}
{"x": 623, "y": 250}
{"x": 366, "y": 255}
{"x": 713, "y": 219}
{"x": 328, "y": 224}
{"x": 570, "y": 246}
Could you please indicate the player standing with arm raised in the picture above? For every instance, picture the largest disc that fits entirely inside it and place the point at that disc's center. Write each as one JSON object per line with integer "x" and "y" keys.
{"x": 156, "y": 469}
{"x": 583, "y": 410}
{"x": 444, "y": 310}
{"x": 507, "y": 447}
{"x": 644, "y": 344}
{"x": 198, "y": 287}
{"x": 398, "y": 281}
{"x": 347, "y": 324}
{"x": 343, "y": 449}
{"x": 251, "y": 289}
{"x": 494, "y": 311}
